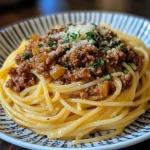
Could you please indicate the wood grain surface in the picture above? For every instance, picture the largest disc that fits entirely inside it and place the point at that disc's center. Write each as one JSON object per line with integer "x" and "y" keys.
{"x": 11, "y": 12}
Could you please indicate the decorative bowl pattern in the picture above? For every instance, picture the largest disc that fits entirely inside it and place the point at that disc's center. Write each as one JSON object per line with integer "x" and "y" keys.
{"x": 10, "y": 39}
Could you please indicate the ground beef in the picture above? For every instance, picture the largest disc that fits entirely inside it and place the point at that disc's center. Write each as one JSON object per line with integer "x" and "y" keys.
{"x": 23, "y": 67}
{"x": 95, "y": 91}
{"x": 84, "y": 74}
{"x": 126, "y": 80}
{"x": 134, "y": 58}
{"x": 93, "y": 56}
{"x": 54, "y": 31}
{"x": 43, "y": 61}
{"x": 19, "y": 59}
{"x": 59, "y": 51}
{"x": 115, "y": 56}
{"x": 114, "y": 59}
{"x": 81, "y": 55}
{"x": 18, "y": 82}
{"x": 21, "y": 77}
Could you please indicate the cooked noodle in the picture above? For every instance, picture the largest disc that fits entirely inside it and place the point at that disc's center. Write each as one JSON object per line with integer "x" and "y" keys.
{"x": 47, "y": 108}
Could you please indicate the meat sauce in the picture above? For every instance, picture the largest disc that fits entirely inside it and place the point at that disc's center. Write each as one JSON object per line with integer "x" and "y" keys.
{"x": 74, "y": 53}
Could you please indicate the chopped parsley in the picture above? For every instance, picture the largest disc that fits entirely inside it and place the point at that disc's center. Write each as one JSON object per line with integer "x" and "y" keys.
{"x": 26, "y": 55}
{"x": 105, "y": 79}
{"x": 122, "y": 47}
{"x": 115, "y": 35}
{"x": 76, "y": 68}
{"x": 129, "y": 64}
{"x": 94, "y": 66}
{"x": 103, "y": 45}
{"x": 100, "y": 62}
{"x": 110, "y": 76}
{"x": 40, "y": 45}
{"x": 73, "y": 36}
{"x": 108, "y": 38}
{"x": 102, "y": 48}
{"x": 66, "y": 30}
{"x": 99, "y": 48}
{"x": 65, "y": 41}
{"x": 79, "y": 34}
{"x": 118, "y": 42}
{"x": 95, "y": 31}
{"x": 49, "y": 38}
{"x": 47, "y": 118}
{"x": 115, "y": 43}
{"x": 66, "y": 49}
{"x": 123, "y": 70}
{"x": 89, "y": 36}
{"x": 105, "y": 53}
{"x": 51, "y": 44}
{"x": 97, "y": 63}
{"x": 66, "y": 66}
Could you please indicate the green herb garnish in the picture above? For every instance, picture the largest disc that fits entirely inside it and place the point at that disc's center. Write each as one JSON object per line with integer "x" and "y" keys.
{"x": 76, "y": 68}
{"x": 66, "y": 49}
{"x": 66, "y": 65}
{"x": 123, "y": 70}
{"x": 129, "y": 64}
{"x": 105, "y": 53}
{"x": 73, "y": 36}
{"x": 108, "y": 38}
{"x": 100, "y": 62}
{"x": 97, "y": 63}
{"x": 49, "y": 38}
{"x": 105, "y": 79}
{"x": 40, "y": 45}
{"x": 122, "y": 47}
{"x": 66, "y": 30}
{"x": 100, "y": 48}
{"x": 26, "y": 55}
{"x": 51, "y": 44}
{"x": 65, "y": 41}
{"x": 89, "y": 36}
{"x": 47, "y": 118}
{"x": 103, "y": 45}
{"x": 118, "y": 42}
{"x": 110, "y": 76}
{"x": 79, "y": 34}
{"x": 94, "y": 66}
{"x": 115, "y": 43}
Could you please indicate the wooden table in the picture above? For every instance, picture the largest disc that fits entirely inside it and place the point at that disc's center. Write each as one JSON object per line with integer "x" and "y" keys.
{"x": 11, "y": 13}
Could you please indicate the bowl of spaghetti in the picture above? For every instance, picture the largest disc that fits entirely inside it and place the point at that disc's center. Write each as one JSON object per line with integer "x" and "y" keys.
{"x": 75, "y": 80}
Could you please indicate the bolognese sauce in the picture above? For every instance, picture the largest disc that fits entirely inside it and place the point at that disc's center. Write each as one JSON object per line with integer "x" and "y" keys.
{"x": 74, "y": 53}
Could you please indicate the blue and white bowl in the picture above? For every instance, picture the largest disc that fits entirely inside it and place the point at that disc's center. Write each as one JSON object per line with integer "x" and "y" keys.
{"x": 10, "y": 39}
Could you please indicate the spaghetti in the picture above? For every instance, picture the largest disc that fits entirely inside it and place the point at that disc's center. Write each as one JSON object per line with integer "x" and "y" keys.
{"x": 71, "y": 100}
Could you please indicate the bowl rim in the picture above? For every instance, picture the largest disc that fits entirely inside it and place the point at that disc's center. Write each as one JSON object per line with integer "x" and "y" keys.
{"x": 27, "y": 145}
{"x": 106, "y": 147}
{"x": 74, "y": 12}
